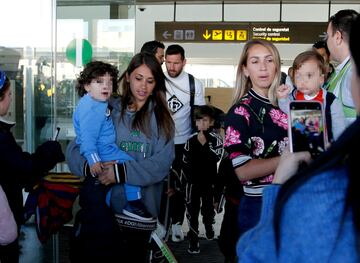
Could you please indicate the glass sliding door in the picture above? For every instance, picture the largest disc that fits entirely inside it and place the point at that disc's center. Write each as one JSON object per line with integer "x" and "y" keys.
{"x": 26, "y": 55}
{"x": 44, "y": 53}
{"x": 85, "y": 33}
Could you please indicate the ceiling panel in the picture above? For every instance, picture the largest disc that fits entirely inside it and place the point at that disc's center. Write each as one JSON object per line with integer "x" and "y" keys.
{"x": 106, "y": 2}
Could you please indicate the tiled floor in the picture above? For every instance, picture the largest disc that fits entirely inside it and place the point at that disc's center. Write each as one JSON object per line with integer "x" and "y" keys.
{"x": 35, "y": 252}
{"x": 54, "y": 250}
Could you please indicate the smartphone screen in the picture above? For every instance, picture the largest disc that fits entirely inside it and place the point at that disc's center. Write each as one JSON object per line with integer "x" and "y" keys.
{"x": 306, "y": 127}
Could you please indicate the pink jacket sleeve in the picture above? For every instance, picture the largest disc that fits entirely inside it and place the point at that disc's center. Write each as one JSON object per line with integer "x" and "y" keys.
{"x": 8, "y": 228}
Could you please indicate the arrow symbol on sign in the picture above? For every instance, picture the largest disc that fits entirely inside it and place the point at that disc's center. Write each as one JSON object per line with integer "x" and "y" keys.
{"x": 166, "y": 35}
{"x": 323, "y": 35}
{"x": 206, "y": 35}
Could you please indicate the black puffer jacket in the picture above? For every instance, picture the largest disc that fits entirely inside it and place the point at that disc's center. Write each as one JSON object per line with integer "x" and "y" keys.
{"x": 19, "y": 169}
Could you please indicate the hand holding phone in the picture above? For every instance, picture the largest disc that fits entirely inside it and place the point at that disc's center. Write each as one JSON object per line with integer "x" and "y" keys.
{"x": 306, "y": 127}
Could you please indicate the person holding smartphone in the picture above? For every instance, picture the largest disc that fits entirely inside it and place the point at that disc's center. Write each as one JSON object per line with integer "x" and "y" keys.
{"x": 308, "y": 76}
{"x": 255, "y": 127}
{"x": 315, "y": 215}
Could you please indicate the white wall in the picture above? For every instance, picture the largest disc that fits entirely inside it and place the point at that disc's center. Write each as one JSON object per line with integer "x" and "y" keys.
{"x": 87, "y": 13}
{"x": 145, "y": 22}
{"x": 251, "y": 12}
{"x": 228, "y": 53}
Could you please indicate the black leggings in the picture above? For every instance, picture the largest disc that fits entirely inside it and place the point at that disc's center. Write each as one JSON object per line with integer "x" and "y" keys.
{"x": 10, "y": 253}
{"x": 97, "y": 237}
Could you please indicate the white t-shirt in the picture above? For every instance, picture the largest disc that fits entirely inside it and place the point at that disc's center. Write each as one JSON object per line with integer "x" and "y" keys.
{"x": 178, "y": 98}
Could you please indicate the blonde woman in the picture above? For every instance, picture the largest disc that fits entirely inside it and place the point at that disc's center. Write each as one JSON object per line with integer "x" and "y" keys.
{"x": 315, "y": 215}
{"x": 256, "y": 129}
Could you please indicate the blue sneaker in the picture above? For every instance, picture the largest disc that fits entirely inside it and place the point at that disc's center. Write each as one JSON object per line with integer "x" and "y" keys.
{"x": 136, "y": 209}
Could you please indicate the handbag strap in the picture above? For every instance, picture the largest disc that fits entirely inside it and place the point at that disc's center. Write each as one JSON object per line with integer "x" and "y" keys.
{"x": 192, "y": 98}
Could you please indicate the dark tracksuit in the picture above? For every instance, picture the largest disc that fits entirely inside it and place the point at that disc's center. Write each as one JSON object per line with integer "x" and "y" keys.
{"x": 199, "y": 174}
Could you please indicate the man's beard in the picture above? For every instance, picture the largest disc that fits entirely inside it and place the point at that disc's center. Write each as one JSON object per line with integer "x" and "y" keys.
{"x": 174, "y": 74}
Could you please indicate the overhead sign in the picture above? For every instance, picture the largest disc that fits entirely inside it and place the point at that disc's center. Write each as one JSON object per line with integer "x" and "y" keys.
{"x": 295, "y": 32}
{"x": 201, "y": 32}
{"x": 210, "y": 32}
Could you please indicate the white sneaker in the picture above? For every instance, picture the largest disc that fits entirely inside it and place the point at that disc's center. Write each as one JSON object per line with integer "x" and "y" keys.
{"x": 177, "y": 235}
{"x": 160, "y": 230}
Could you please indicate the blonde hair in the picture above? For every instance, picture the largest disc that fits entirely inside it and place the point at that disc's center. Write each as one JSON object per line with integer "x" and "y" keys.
{"x": 243, "y": 83}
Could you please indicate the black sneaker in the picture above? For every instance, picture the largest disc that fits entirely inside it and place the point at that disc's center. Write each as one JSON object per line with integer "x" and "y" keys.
{"x": 194, "y": 246}
{"x": 136, "y": 209}
{"x": 209, "y": 232}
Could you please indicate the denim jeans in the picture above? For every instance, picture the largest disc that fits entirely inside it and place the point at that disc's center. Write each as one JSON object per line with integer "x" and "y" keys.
{"x": 248, "y": 213}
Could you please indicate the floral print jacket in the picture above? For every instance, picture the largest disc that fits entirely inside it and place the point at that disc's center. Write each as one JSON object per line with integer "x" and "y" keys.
{"x": 255, "y": 129}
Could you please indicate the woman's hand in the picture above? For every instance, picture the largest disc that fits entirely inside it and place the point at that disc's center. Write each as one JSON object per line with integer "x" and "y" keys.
{"x": 289, "y": 164}
{"x": 107, "y": 175}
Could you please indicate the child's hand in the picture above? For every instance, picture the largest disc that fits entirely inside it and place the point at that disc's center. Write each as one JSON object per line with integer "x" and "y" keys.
{"x": 283, "y": 91}
{"x": 96, "y": 169}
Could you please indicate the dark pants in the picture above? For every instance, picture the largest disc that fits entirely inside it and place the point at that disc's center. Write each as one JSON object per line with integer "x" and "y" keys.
{"x": 177, "y": 208}
{"x": 97, "y": 237}
{"x": 177, "y": 201}
{"x": 10, "y": 253}
{"x": 248, "y": 213}
{"x": 200, "y": 199}
{"x": 229, "y": 233}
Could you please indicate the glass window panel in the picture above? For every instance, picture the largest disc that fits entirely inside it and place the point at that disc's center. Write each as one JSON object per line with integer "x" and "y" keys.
{"x": 111, "y": 40}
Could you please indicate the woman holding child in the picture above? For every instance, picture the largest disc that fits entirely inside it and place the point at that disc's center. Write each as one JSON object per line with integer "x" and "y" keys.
{"x": 315, "y": 215}
{"x": 141, "y": 118}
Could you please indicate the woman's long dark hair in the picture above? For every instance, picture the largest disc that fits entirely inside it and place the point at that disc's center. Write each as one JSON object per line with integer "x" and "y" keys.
{"x": 343, "y": 152}
{"x": 156, "y": 102}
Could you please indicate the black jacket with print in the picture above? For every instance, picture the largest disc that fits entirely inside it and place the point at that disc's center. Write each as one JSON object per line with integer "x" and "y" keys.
{"x": 200, "y": 161}
{"x": 21, "y": 169}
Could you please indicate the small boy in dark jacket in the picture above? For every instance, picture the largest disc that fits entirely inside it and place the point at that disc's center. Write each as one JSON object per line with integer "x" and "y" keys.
{"x": 202, "y": 152}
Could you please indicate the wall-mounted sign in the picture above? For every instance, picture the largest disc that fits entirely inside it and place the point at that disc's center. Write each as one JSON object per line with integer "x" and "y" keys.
{"x": 206, "y": 32}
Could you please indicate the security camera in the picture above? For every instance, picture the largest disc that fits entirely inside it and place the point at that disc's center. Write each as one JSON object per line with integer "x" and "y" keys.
{"x": 141, "y": 8}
